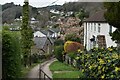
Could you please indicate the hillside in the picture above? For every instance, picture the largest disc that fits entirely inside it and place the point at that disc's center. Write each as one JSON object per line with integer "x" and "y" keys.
{"x": 12, "y": 11}
{"x": 90, "y": 7}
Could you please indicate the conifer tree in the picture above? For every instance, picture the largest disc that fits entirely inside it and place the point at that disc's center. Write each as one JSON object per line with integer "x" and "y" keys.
{"x": 26, "y": 33}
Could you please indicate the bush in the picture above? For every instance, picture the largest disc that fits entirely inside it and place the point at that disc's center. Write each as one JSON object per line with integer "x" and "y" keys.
{"x": 72, "y": 37}
{"x": 11, "y": 56}
{"x": 58, "y": 53}
{"x": 58, "y": 42}
{"x": 35, "y": 58}
{"x": 71, "y": 46}
{"x": 101, "y": 63}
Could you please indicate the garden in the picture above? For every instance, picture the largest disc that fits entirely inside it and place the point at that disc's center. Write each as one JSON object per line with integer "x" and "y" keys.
{"x": 96, "y": 63}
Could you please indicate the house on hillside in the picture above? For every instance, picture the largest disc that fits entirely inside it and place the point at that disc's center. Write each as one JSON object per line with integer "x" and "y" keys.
{"x": 42, "y": 45}
{"x": 38, "y": 34}
{"x": 96, "y": 31}
{"x": 54, "y": 33}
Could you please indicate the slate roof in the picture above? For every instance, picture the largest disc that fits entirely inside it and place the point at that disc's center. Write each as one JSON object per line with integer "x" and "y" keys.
{"x": 54, "y": 30}
{"x": 97, "y": 17}
{"x": 44, "y": 32}
{"x": 40, "y": 42}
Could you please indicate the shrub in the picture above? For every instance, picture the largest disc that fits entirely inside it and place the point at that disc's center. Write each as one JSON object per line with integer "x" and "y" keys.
{"x": 71, "y": 46}
{"x": 11, "y": 56}
{"x": 58, "y": 53}
{"x": 72, "y": 37}
{"x": 35, "y": 58}
{"x": 58, "y": 42}
{"x": 101, "y": 63}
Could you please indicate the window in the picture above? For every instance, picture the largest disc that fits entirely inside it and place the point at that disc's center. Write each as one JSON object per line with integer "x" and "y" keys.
{"x": 94, "y": 26}
{"x": 110, "y": 29}
{"x": 99, "y": 27}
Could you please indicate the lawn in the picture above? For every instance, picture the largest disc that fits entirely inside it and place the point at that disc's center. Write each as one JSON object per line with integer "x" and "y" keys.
{"x": 59, "y": 66}
{"x": 65, "y": 71}
{"x": 71, "y": 74}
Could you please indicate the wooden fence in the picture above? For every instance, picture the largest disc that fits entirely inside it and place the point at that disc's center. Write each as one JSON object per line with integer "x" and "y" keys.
{"x": 72, "y": 62}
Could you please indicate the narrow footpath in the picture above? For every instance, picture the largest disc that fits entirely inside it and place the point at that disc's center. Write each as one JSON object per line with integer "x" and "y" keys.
{"x": 34, "y": 73}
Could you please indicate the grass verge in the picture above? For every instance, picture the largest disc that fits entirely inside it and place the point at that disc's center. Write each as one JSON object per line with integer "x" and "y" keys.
{"x": 64, "y": 71}
{"x": 59, "y": 66}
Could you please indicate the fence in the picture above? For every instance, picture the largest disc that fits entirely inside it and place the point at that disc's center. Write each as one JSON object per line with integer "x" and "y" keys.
{"x": 43, "y": 75}
{"x": 72, "y": 62}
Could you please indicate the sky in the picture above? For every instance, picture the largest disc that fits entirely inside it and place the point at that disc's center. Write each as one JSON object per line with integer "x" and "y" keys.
{"x": 43, "y": 3}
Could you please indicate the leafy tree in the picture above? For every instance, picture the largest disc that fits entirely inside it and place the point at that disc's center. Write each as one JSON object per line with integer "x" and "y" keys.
{"x": 58, "y": 42}
{"x": 81, "y": 15}
{"x": 27, "y": 35}
{"x": 72, "y": 37}
{"x": 11, "y": 56}
{"x": 112, "y": 16}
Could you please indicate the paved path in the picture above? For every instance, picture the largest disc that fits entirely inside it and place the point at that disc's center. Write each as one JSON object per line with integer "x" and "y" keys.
{"x": 34, "y": 73}
{"x": 46, "y": 69}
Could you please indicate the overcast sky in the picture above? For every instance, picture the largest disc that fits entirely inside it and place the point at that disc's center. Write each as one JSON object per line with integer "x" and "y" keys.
{"x": 43, "y": 3}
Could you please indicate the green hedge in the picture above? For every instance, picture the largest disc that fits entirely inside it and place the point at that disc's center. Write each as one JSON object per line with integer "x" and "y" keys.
{"x": 58, "y": 52}
{"x": 11, "y": 56}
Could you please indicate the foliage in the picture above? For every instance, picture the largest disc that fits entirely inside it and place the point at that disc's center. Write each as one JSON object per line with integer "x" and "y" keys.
{"x": 72, "y": 37}
{"x": 58, "y": 52}
{"x": 6, "y": 28}
{"x": 72, "y": 55}
{"x": 58, "y": 42}
{"x": 35, "y": 58}
{"x": 113, "y": 18}
{"x": 82, "y": 14}
{"x": 101, "y": 63}
{"x": 27, "y": 35}
{"x": 71, "y": 46}
{"x": 112, "y": 13}
{"x": 11, "y": 56}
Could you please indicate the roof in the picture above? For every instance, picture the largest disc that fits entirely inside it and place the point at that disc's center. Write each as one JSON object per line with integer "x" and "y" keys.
{"x": 54, "y": 30}
{"x": 97, "y": 17}
{"x": 44, "y": 32}
{"x": 40, "y": 41}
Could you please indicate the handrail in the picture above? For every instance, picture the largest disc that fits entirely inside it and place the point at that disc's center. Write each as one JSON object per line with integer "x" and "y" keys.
{"x": 45, "y": 75}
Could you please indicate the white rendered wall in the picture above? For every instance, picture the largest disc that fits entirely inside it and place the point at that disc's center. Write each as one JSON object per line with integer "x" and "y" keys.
{"x": 39, "y": 34}
{"x": 92, "y": 29}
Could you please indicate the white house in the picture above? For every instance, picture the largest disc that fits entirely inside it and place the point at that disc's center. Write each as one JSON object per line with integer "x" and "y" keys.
{"x": 96, "y": 32}
{"x": 54, "y": 32}
{"x": 39, "y": 34}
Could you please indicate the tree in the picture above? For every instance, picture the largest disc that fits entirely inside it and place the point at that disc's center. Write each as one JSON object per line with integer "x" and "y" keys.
{"x": 81, "y": 15}
{"x": 11, "y": 56}
{"x": 72, "y": 37}
{"x": 112, "y": 15}
{"x": 27, "y": 35}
